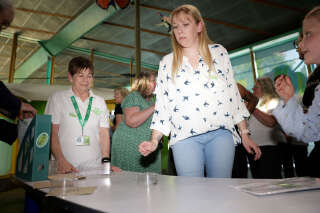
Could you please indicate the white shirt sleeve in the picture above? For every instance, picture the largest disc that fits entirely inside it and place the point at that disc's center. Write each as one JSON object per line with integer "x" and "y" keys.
{"x": 303, "y": 126}
{"x": 240, "y": 110}
{"x": 160, "y": 120}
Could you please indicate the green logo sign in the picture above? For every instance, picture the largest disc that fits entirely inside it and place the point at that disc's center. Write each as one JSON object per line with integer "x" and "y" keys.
{"x": 42, "y": 140}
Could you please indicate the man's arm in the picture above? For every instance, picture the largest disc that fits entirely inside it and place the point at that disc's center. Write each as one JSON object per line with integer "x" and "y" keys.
{"x": 250, "y": 99}
{"x": 265, "y": 118}
{"x": 9, "y": 102}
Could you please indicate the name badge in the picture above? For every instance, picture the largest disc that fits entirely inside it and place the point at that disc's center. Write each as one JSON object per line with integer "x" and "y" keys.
{"x": 83, "y": 141}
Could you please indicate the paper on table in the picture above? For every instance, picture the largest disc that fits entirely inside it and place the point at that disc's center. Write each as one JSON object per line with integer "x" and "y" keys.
{"x": 41, "y": 184}
{"x": 270, "y": 187}
{"x": 68, "y": 175}
{"x": 72, "y": 191}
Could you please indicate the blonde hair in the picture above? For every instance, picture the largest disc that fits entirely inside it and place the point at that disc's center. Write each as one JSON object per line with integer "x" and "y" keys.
{"x": 123, "y": 91}
{"x": 314, "y": 13}
{"x": 268, "y": 91}
{"x": 203, "y": 41}
{"x": 142, "y": 83}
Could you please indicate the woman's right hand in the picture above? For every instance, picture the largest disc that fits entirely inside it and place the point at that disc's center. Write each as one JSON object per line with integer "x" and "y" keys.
{"x": 147, "y": 147}
{"x": 65, "y": 167}
{"x": 284, "y": 87}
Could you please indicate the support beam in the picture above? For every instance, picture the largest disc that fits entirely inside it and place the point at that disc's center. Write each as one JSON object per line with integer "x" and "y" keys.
{"x": 31, "y": 30}
{"x": 72, "y": 17}
{"x": 215, "y": 21}
{"x": 13, "y": 57}
{"x": 113, "y": 58}
{"x": 92, "y": 62}
{"x": 124, "y": 45}
{"x": 281, "y": 6}
{"x": 132, "y": 28}
{"x": 64, "y": 38}
{"x": 253, "y": 65}
{"x": 309, "y": 69}
{"x": 48, "y": 70}
{"x": 92, "y": 56}
{"x": 52, "y": 70}
{"x": 137, "y": 35}
{"x": 44, "y": 13}
{"x": 131, "y": 72}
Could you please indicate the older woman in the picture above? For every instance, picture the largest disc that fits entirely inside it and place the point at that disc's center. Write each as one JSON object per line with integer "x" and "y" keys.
{"x": 119, "y": 95}
{"x": 265, "y": 131}
{"x": 80, "y": 135}
{"x": 138, "y": 108}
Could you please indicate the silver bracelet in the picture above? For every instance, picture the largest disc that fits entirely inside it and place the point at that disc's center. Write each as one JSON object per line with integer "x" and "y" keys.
{"x": 245, "y": 131}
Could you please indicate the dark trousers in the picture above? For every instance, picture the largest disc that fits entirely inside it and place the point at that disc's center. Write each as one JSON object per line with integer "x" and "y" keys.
{"x": 296, "y": 154}
{"x": 269, "y": 165}
{"x": 240, "y": 164}
{"x": 314, "y": 161}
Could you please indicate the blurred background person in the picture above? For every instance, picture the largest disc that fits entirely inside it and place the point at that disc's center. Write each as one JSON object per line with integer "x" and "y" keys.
{"x": 11, "y": 106}
{"x": 240, "y": 164}
{"x": 265, "y": 131}
{"x": 138, "y": 108}
{"x": 119, "y": 95}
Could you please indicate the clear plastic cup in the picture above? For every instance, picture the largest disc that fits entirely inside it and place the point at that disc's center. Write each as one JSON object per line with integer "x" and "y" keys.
{"x": 147, "y": 179}
{"x": 60, "y": 186}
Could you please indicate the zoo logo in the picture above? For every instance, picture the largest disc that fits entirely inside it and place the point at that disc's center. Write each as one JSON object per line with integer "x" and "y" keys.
{"x": 42, "y": 140}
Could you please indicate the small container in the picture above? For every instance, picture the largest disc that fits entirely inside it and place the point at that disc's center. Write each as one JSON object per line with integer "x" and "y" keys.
{"x": 147, "y": 179}
{"x": 106, "y": 164}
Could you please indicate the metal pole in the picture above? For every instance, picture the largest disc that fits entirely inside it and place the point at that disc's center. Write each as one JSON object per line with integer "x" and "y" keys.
{"x": 52, "y": 71}
{"x": 253, "y": 65}
{"x": 309, "y": 69}
{"x": 131, "y": 72}
{"x": 92, "y": 61}
{"x": 137, "y": 36}
{"x": 13, "y": 57}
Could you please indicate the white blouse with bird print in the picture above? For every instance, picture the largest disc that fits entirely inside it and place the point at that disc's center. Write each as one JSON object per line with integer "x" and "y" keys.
{"x": 197, "y": 101}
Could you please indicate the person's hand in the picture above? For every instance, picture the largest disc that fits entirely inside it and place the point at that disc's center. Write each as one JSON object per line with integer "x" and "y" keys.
{"x": 284, "y": 87}
{"x": 65, "y": 167}
{"x": 26, "y": 111}
{"x": 115, "y": 169}
{"x": 251, "y": 146}
{"x": 147, "y": 147}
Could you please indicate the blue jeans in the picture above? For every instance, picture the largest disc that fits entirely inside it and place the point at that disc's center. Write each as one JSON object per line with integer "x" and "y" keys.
{"x": 213, "y": 150}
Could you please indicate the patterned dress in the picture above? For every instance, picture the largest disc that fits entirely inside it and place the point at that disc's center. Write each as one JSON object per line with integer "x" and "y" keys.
{"x": 125, "y": 141}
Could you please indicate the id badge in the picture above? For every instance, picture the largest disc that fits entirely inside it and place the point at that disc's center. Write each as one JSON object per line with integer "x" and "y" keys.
{"x": 83, "y": 141}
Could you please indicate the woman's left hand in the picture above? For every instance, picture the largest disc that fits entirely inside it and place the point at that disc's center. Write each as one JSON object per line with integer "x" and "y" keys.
{"x": 115, "y": 169}
{"x": 251, "y": 146}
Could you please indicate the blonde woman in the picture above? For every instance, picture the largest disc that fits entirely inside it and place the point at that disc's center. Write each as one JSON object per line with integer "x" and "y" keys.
{"x": 119, "y": 95}
{"x": 265, "y": 131}
{"x": 138, "y": 108}
{"x": 198, "y": 101}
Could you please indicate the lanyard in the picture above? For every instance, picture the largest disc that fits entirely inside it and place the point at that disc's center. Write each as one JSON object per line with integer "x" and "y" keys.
{"x": 76, "y": 108}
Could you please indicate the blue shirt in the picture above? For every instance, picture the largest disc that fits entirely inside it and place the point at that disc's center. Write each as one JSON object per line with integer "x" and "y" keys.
{"x": 303, "y": 126}
{"x": 197, "y": 100}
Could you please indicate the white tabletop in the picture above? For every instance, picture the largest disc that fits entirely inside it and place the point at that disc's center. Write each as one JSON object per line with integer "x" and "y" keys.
{"x": 123, "y": 192}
